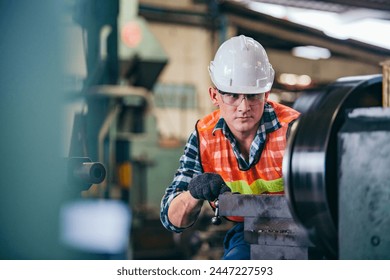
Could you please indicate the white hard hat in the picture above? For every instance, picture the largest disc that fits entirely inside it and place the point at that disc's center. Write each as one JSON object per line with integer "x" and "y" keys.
{"x": 241, "y": 66}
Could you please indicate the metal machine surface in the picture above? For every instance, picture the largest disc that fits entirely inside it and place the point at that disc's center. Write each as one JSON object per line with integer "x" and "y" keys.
{"x": 269, "y": 226}
{"x": 311, "y": 173}
{"x": 311, "y": 163}
{"x": 364, "y": 192}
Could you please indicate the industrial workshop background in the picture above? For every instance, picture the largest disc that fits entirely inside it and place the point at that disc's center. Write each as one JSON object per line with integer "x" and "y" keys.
{"x": 99, "y": 96}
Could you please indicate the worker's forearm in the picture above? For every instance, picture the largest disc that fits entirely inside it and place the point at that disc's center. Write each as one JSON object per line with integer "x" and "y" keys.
{"x": 184, "y": 210}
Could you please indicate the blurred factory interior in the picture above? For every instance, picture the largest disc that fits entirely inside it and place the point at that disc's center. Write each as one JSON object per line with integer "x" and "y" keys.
{"x": 99, "y": 96}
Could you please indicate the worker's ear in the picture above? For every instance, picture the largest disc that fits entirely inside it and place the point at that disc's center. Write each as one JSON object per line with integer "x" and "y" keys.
{"x": 213, "y": 95}
{"x": 266, "y": 96}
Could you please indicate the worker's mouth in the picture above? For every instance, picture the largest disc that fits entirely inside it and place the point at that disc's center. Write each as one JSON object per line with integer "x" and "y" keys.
{"x": 244, "y": 118}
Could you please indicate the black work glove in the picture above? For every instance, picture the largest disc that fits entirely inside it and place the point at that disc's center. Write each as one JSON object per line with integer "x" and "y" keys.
{"x": 207, "y": 186}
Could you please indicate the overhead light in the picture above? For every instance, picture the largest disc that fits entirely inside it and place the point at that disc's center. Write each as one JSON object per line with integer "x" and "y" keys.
{"x": 278, "y": 11}
{"x": 290, "y": 79}
{"x": 304, "y": 80}
{"x": 311, "y": 52}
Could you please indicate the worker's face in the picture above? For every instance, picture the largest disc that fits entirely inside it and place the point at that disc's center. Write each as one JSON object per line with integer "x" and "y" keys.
{"x": 242, "y": 117}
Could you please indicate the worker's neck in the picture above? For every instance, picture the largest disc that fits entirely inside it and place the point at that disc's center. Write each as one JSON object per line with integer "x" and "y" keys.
{"x": 244, "y": 141}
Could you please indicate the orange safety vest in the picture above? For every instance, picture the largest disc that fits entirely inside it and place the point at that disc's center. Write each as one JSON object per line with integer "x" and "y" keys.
{"x": 264, "y": 177}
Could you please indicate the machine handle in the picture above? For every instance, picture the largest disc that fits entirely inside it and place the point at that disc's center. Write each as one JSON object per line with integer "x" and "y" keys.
{"x": 83, "y": 172}
{"x": 216, "y": 220}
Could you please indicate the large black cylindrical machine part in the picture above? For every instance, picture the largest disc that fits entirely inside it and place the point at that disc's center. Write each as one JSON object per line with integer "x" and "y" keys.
{"x": 310, "y": 165}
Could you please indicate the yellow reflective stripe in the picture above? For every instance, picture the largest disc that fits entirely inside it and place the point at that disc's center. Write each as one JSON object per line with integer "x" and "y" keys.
{"x": 257, "y": 187}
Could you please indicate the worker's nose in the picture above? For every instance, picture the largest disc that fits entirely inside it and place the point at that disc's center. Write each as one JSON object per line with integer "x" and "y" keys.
{"x": 244, "y": 105}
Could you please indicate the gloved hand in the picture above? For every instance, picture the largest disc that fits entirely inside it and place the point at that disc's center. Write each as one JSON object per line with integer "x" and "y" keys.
{"x": 207, "y": 186}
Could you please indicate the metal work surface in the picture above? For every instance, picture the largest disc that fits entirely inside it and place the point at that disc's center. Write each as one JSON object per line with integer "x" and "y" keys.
{"x": 310, "y": 166}
{"x": 364, "y": 190}
{"x": 266, "y": 206}
{"x": 275, "y": 231}
{"x": 268, "y": 225}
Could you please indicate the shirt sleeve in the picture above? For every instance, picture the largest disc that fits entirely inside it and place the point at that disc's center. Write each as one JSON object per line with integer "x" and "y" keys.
{"x": 189, "y": 167}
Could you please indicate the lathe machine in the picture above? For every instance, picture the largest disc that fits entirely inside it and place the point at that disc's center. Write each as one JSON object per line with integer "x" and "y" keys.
{"x": 337, "y": 181}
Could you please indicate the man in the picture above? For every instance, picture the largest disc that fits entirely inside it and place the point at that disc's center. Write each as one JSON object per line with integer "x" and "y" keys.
{"x": 239, "y": 147}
